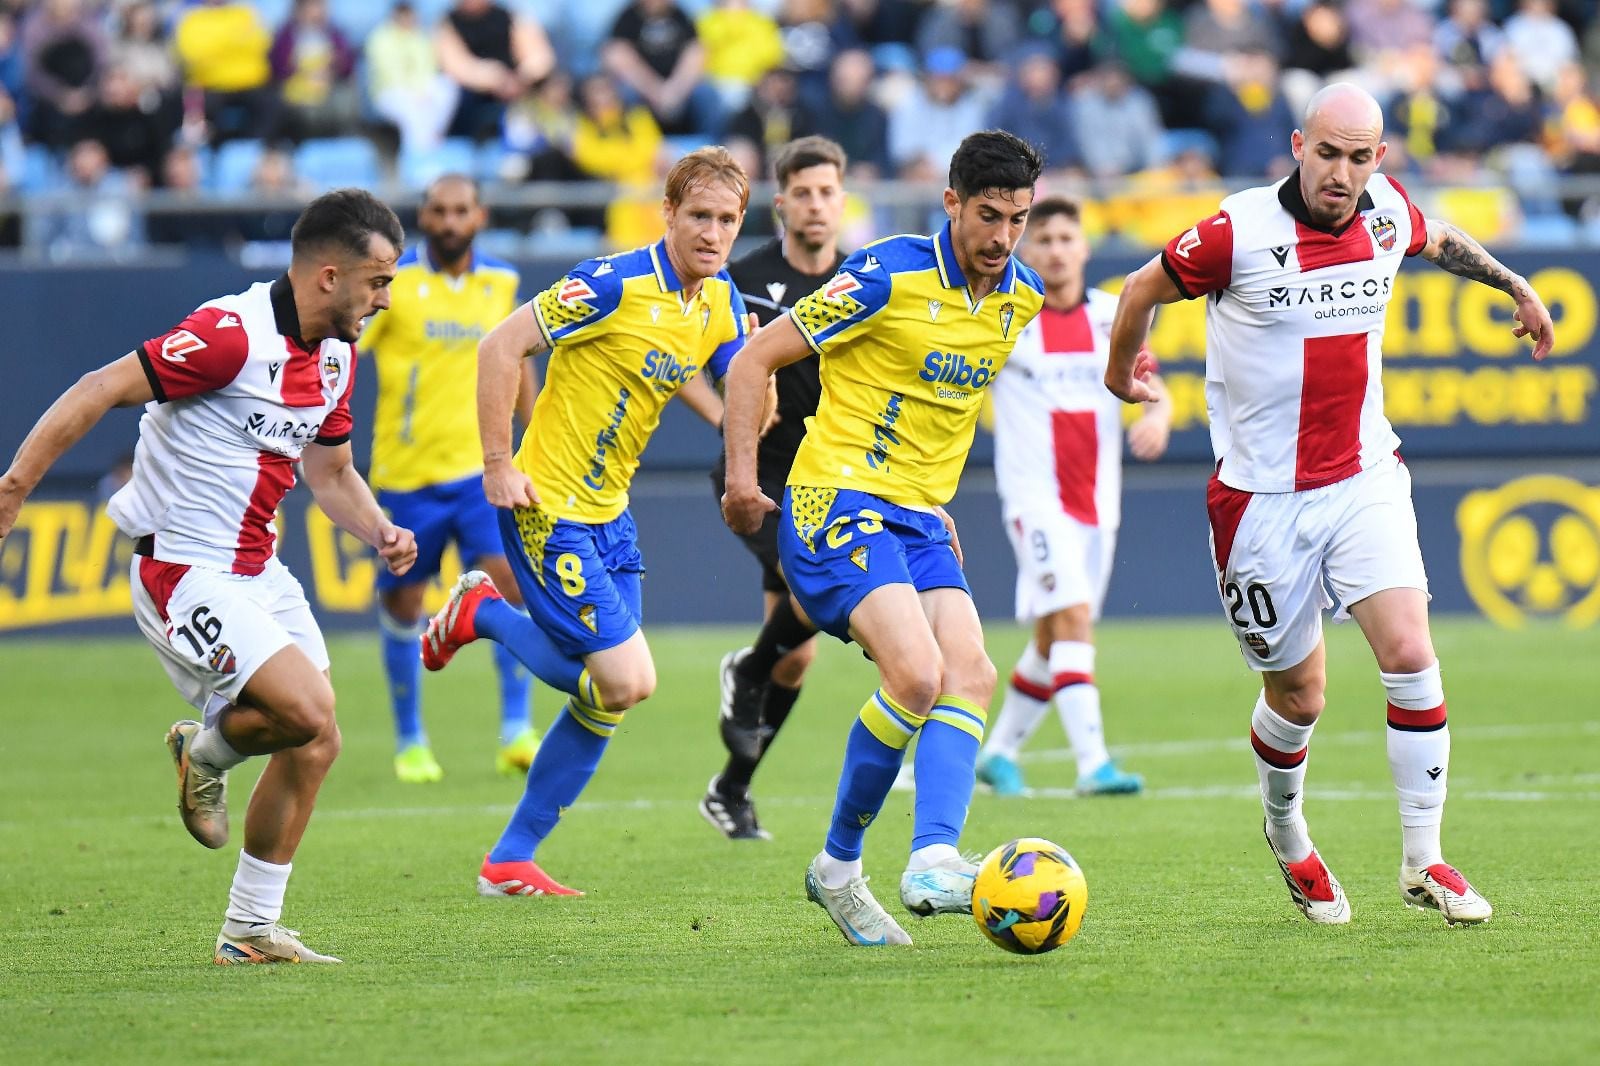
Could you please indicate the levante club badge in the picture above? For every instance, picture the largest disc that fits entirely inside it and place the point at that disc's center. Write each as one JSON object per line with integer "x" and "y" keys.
{"x": 1384, "y": 232}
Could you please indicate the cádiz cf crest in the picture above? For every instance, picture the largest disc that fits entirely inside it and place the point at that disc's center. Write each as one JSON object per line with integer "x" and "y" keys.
{"x": 1008, "y": 311}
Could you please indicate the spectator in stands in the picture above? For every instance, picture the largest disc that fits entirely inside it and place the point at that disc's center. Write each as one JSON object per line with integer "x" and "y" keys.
{"x": 929, "y": 123}
{"x": 654, "y": 52}
{"x": 101, "y": 221}
{"x": 141, "y": 48}
{"x": 855, "y": 120}
{"x": 1505, "y": 112}
{"x": 616, "y": 142}
{"x": 1216, "y": 32}
{"x": 1072, "y": 28}
{"x": 1467, "y": 42}
{"x": 1144, "y": 37}
{"x": 273, "y": 181}
{"x": 1316, "y": 51}
{"x": 1035, "y": 109}
{"x": 495, "y": 57}
{"x": 1251, "y": 120}
{"x": 1118, "y": 122}
{"x": 1382, "y": 32}
{"x": 312, "y": 62}
{"x": 63, "y": 51}
{"x": 774, "y": 116}
{"x": 404, "y": 82}
{"x": 180, "y": 172}
{"x": 1542, "y": 42}
{"x": 741, "y": 45}
{"x": 10, "y": 54}
{"x": 1416, "y": 114}
{"x": 985, "y": 31}
{"x": 1575, "y": 134}
{"x": 132, "y": 124}
{"x": 813, "y": 32}
{"x": 878, "y": 23}
{"x": 222, "y": 46}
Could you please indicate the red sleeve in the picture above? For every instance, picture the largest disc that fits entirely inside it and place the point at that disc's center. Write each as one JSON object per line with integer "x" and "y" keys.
{"x": 202, "y": 353}
{"x": 1200, "y": 260}
{"x": 1419, "y": 223}
{"x": 337, "y": 426}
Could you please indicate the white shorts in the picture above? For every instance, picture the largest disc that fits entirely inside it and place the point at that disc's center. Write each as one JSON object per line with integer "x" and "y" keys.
{"x": 1283, "y": 557}
{"x": 1060, "y": 563}
{"x": 212, "y": 630}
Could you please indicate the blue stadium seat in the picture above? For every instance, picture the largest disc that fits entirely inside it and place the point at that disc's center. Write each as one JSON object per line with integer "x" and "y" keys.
{"x": 334, "y": 162}
{"x": 486, "y": 161}
{"x": 419, "y": 168}
{"x": 233, "y": 166}
{"x": 502, "y": 243}
{"x": 1549, "y": 231}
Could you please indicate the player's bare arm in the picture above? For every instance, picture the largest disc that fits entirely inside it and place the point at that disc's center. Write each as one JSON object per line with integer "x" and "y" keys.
{"x": 749, "y": 395}
{"x": 1451, "y": 249}
{"x": 118, "y": 384}
{"x": 500, "y": 358}
{"x": 1130, "y": 367}
{"x": 1148, "y": 435}
{"x": 527, "y": 393}
{"x": 346, "y": 499}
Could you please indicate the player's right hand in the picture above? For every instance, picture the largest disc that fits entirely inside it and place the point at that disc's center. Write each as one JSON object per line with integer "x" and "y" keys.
{"x": 506, "y": 486}
{"x": 1137, "y": 387}
{"x": 743, "y": 509}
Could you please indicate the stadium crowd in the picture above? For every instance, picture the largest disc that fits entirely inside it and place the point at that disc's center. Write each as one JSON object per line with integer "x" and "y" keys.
{"x": 105, "y": 99}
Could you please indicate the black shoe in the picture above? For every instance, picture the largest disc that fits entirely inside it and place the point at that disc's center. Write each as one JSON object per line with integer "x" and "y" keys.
{"x": 733, "y": 818}
{"x": 740, "y": 719}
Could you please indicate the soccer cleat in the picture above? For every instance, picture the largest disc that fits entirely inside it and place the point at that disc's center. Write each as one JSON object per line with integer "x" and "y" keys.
{"x": 522, "y": 878}
{"x": 942, "y": 889}
{"x": 733, "y": 818}
{"x": 273, "y": 944}
{"x": 1442, "y": 887}
{"x": 515, "y": 758}
{"x": 740, "y": 718}
{"x": 906, "y": 779}
{"x": 853, "y": 909}
{"x": 451, "y": 628}
{"x": 1108, "y": 779}
{"x": 414, "y": 764}
{"x": 202, "y": 795}
{"x": 1002, "y": 774}
{"x": 1313, "y": 888}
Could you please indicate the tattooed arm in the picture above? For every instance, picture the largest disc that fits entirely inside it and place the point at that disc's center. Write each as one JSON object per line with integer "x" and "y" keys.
{"x": 1453, "y": 250}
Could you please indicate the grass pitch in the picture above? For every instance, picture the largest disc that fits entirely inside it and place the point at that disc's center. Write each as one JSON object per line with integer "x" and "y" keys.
{"x": 690, "y": 948}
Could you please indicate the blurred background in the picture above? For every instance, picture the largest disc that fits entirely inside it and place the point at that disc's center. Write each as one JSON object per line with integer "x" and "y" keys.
{"x": 154, "y": 154}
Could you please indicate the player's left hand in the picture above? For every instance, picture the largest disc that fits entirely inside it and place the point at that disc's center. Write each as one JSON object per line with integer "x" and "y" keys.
{"x": 1147, "y": 438}
{"x": 955, "y": 539}
{"x": 397, "y": 547}
{"x": 1533, "y": 320}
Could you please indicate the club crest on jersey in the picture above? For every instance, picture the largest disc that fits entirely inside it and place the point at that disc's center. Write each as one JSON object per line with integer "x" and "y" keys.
{"x": 858, "y": 556}
{"x": 331, "y": 368}
{"x": 574, "y": 291}
{"x": 934, "y": 307}
{"x": 1258, "y": 644}
{"x": 222, "y": 659}
{"x": 705, "y": 319}
{"x": 179, "y": 345}
{"x": 841, "y": 285}
{"x": 586, "y": 616}
{"x": 1008, "y": 311}
{"x": 1384, "y": 231}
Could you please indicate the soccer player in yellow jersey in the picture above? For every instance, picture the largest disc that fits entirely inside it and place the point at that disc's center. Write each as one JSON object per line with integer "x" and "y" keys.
{"x": 910, "y": 333}
{"x": 626, "y": 333}
{"x": 426, "y": 466}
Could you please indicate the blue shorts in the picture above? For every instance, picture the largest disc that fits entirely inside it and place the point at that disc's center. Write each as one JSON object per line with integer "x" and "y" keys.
{"x": 579, "y": 582}
{"x": 837, "y": 545}
{"x": 436, "y": 515}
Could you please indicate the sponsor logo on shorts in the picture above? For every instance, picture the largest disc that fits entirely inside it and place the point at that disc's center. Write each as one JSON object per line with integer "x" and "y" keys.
{"x": 222, "y": 659}
{"x": 1048, "y": 582}
{"x": 1258, "y": 644}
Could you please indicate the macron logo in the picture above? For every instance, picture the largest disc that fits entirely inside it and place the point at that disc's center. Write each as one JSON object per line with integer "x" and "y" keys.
{"x": 179, "y": 345}
{"x": 227, "y": 321}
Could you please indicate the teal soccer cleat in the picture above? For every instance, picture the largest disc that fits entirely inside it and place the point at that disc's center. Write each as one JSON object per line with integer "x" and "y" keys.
{"x": 1001, "y": 774}
{"x": 1109, "y": 780}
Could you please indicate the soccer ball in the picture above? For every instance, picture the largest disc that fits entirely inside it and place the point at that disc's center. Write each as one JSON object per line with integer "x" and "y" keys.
{"x": 1029, "y": 896}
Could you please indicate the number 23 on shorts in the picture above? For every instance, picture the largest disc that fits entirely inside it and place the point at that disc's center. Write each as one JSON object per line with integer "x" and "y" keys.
{"x": 867, "y": 521}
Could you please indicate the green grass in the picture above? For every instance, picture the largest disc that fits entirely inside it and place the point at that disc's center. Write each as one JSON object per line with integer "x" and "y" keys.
{"x": 692, "y": 949}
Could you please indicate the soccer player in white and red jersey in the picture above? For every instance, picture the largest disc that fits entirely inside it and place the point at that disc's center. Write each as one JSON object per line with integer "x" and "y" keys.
{"x": 235, "y": 395}
{"x": 1058, "y": 465}
{"x": 1309, "y": 494}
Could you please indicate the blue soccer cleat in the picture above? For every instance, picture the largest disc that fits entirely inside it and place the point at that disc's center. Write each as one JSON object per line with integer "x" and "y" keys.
{"x": 1109, "y": 780}
{"x": 1001, "y": 774}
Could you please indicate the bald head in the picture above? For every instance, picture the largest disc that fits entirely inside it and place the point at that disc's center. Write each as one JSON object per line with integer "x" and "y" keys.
{"x": 1338, "y": 148}
{"x": 1344, "y": 106}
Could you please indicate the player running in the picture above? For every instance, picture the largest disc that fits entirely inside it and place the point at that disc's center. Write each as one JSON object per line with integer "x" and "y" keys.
{"x": 235, "y": 395}
{"x": 1058, "y": 465}
{"x": 910, "y": 333}
{"x": 626, "y": 333}
{"x": 1309, "y": 495}
{"x": 761, "y": 683}
{"x": 426, "y": 466}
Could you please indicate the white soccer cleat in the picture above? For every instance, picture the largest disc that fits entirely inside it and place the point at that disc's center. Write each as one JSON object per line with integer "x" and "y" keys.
{"x": 1442, "y": 888}
{"x": 1313, "y": 888}
{"x": 853, "y": 909}
{"x": 942, "y": 889}
{"x": 273, "y": 944}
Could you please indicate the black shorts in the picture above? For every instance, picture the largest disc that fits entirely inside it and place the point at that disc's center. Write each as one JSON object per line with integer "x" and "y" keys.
{"x": 763, "y": 543}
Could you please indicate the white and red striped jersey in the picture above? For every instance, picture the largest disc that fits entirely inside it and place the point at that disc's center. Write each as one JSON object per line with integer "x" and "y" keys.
{"x": 1294, "y": 331}
{"x": 238, "y": 397}
{"x": 1057, "y": 428}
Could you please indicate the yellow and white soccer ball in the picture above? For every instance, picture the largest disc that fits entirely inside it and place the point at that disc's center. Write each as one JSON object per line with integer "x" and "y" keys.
{"x": 1029, "y": 896}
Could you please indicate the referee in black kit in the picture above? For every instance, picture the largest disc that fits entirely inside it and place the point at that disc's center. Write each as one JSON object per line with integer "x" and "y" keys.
{"x": 761, "y": 683}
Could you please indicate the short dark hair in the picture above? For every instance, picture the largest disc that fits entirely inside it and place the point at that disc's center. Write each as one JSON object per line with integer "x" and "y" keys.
{"x": 994, "y": 159}
{"x": 345, "y": 219}
{"x": 1051, "y": 206}
{"x": 804, "y": 152}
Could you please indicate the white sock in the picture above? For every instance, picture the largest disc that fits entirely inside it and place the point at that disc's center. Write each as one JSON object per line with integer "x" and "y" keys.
{"x": 1419, "y": 760}
{"x": 1026, "y": 702}
{"x": 1281, "y": 750}
{"x": 836, "y": 873}
{"x": 932, "y": 855}
{"x": 1078, "y": 701}
{"x": 212, "y": 751}
{"x": 256, "y": 897}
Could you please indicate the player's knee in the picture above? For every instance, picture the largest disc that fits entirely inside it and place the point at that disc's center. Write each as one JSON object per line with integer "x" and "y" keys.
{"x": 916, "y": 687}
{"x": 305, "y": 717}
{"x": 971, "y": 677}
{"x": 629, "y": 689}
{"x": 1407, "y": 655}
{"x": 1302, "y": 704}
{"x": 790, "y": 670}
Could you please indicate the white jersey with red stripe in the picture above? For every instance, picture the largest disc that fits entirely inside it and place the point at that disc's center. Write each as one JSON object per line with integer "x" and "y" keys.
{"x": 1057, "y": 429}
{"x": 238, "y": 397}
{"x": 1294, "y": 331}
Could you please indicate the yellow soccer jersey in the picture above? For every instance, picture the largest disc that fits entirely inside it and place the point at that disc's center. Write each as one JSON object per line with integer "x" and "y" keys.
{"x": 906, "y": 356}
{"x": 425, "y": 346}
{"x": 623, "y": 341}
